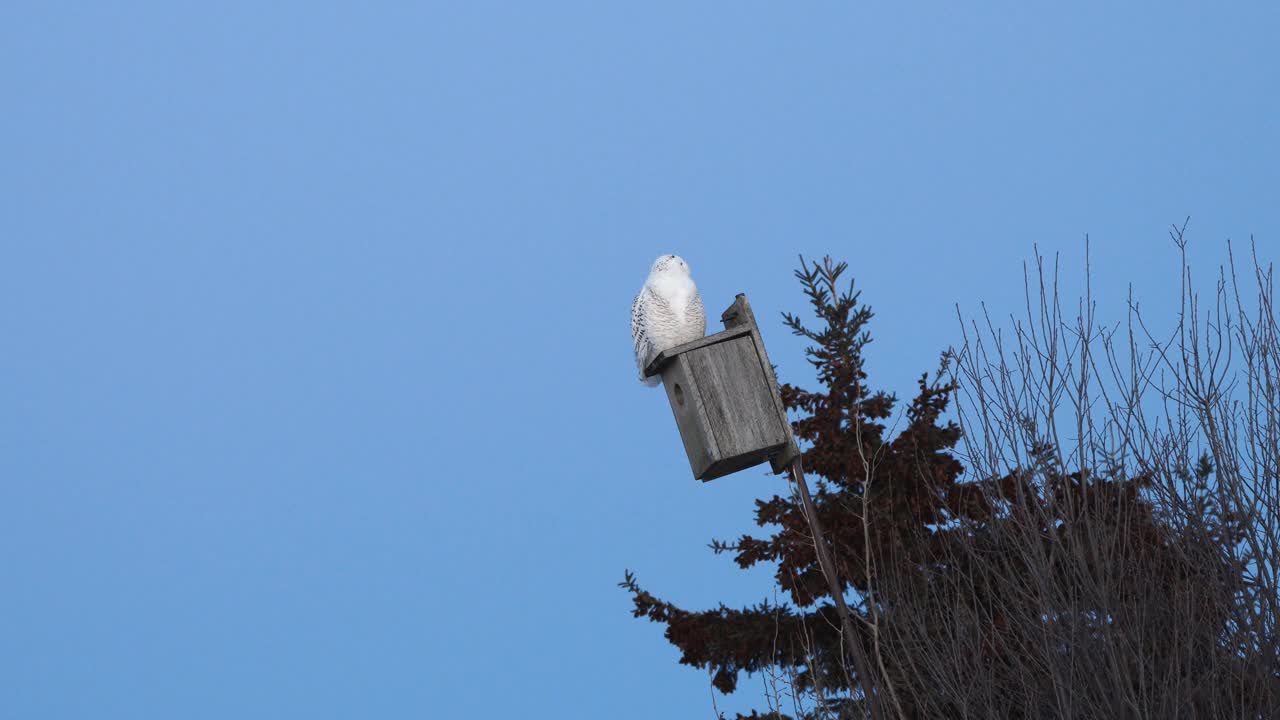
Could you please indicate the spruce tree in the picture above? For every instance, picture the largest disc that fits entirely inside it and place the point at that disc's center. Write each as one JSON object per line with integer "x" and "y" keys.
{"x": 842, "y": 431}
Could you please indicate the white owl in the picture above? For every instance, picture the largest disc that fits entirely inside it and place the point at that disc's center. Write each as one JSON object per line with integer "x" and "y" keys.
{"x": 666, "y": 312}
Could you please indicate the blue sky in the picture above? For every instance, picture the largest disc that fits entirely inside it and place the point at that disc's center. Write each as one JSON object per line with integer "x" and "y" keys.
{"x": 316, "y": 397}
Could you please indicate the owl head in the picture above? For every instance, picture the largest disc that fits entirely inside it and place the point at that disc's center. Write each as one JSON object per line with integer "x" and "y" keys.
{"x": 670, "y": 264}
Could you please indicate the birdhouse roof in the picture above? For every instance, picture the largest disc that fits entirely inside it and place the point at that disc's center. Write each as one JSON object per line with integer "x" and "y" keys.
{"x": 667, "y": 356}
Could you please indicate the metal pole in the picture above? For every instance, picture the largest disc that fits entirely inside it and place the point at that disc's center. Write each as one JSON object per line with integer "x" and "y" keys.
{"x": 835, "y": 588}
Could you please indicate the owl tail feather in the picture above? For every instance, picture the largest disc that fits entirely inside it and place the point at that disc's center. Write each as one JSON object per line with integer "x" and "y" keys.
{"x": 652, "y": 380}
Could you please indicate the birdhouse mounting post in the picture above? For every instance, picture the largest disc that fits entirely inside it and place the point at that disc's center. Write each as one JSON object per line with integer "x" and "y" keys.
{"x": 834, "y": 587}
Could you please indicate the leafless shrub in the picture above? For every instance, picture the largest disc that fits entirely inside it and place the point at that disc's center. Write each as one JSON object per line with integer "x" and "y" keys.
{"x": 1130, "y": 564}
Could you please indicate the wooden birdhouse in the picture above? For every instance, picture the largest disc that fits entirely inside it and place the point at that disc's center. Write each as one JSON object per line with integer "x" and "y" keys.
{"x": 725, "y": 399}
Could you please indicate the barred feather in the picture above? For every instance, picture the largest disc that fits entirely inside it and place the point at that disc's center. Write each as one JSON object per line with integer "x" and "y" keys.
{"x": 665, "y": 313}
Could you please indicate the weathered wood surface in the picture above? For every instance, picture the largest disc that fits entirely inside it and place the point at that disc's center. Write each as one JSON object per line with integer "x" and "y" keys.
{"x": 691, "y": 415}
{"x": 739, "y": 315}
{"x": 741, "y": 410}
{"x": 664, "y": 357}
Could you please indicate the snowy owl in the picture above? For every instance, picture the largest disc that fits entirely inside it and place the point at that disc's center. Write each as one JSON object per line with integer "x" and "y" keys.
{"x": 666, "y": 312}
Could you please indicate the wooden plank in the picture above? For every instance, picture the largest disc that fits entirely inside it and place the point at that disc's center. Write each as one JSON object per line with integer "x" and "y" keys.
{"x": 790, "y": 451}
{"x": 664, "y": 357}
{"x": 731, "y": 465}
{"x": 740, "y": 314}
{"x": 737, "y": 397}
{"x": 691, "y": 416}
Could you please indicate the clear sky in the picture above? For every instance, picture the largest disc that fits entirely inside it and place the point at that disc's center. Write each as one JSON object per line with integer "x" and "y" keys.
{"x": 316, "y": 396}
